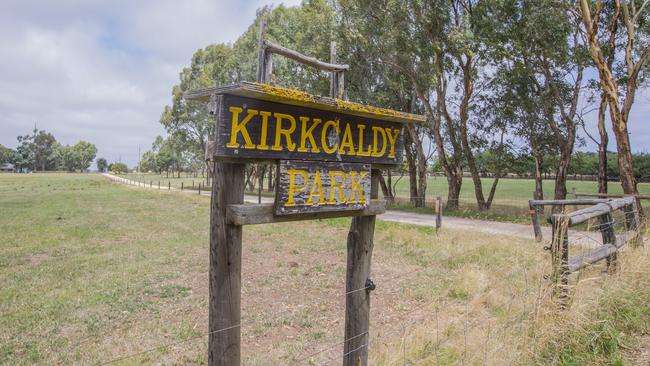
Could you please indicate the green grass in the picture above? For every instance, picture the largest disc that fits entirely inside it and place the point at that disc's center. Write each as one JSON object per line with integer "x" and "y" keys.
{"x": 509, "y": 191}
{"x": 77, "y": 255}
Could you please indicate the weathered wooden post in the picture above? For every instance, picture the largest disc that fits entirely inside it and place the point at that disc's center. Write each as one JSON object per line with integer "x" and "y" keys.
{"x": 169, "y": 186}
{"x": 606, "y": 226}
{"x": 181, "y": 186}
{"x": 224, "y": 322}
{"x": 259, "y": 188}
{"x": 632, "y": 222}
{"x": 150, "y": 184}
{"x": 199, "y": 188}
{"x": 438, "y": 207}
{"x": 575, "y": 197}
{"x": 158, "y": 184}
{"x": 534, "y": 217}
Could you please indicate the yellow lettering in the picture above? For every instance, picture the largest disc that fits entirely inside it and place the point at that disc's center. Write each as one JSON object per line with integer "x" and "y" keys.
{"x": 324, "y": 140}
{"x": 336, "y": 186}
{"x": 375, "y": 143}
{"x": 356, "y": 186}
{"x": 293, "y": 188}
{"x": 391, "y": 139}
{"x": 265, "y": 124}
{"x": 238, "y": 127}
{"x": 308, "y": 134}
{"x": 360, "y": 151}
{"x": 279, "y": 132}
{"x": 317, "y": 183}
{"x": 346, "y": 141}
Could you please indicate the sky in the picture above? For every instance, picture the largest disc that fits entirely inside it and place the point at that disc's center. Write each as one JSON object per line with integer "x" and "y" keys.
{"x": 102, "y": 71}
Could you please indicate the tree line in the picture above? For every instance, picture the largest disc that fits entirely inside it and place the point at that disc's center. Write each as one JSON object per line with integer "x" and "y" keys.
{"x": 496, "y": 80}
{"x": 40, "y": 151}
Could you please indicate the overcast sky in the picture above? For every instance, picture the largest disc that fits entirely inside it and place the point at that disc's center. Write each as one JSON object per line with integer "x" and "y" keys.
{"x": 102, "y": 71}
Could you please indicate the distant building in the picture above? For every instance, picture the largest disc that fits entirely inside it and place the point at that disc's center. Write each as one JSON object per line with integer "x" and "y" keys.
{"x": 7, "y": 167}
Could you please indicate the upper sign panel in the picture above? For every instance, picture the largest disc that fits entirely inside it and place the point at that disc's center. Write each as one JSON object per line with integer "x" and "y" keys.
{"x": 258, "y": 129}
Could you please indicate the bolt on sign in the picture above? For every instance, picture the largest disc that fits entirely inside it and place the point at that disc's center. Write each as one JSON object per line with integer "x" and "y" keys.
{"x": 327, "y": 186}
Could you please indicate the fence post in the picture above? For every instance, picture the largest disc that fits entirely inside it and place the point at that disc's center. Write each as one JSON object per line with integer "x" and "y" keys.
{"x": 438, "y": 207}
{"x": 560, "y": 258}
{"x": 534, "y": 217}
{"x": 632, "y": 223}
{"x": 181, "y": 186}
{"x": 609, "y": 237}
{"x": 199, "y": 189}
{"x": 575, "y": 196}
{"x": 224, "y": 317}
{"x": 150, "y": 184}
{"x": 357, "y": 302}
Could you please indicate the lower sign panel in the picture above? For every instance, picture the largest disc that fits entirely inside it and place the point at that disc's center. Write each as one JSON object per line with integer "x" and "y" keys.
{"x": 317, "y": 186}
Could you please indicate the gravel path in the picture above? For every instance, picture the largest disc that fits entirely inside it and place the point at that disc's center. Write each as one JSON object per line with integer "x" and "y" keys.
{"x": 456, "y": 223}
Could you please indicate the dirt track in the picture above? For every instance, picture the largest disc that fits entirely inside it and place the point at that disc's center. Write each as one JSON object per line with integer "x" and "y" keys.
{"x": 455, "y": 223}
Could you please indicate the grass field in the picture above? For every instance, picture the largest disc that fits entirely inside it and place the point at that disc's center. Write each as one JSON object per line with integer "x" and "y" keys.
{"x": 94, "y": 271}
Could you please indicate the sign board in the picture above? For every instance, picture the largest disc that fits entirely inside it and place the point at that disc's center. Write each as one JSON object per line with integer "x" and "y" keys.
{"x": 258, "y": 129}
{"x": 311, "y": 186}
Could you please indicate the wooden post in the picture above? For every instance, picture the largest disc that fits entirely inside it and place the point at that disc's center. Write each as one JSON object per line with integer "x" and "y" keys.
{"x": 606, "y": 223}
{"x": 150, "y": 184}
{"x": 259, "y": 188}
{"x": 357, "y": 301}
{"x": 534, "y": 217}
{"x": 632, "y": 223}
{"x": 169, "y": 186}
{"x": 333, "y": 75}
{"x": 438, "y": 212}
{"x": 158, "y": 184}
{"x": 560, "y": 258}
{"x": 181, "y": 186}
{"x": 199, "y": 189}
{"x": 261, "y": 52}
{"x": 192, "y": 183}
{"x": 225, "y": 267}
{"x": 575, "y": 196}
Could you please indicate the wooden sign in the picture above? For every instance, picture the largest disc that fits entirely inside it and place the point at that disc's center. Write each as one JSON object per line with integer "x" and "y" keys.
{"x": 257, "y": 129}
{"x": 308, "y": 186}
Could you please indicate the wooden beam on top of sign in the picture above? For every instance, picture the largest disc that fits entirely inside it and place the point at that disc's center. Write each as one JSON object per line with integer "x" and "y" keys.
{"x": 263, "y": 213}
{"x": 298, "y": 98}
{"x": 307, "y": 60}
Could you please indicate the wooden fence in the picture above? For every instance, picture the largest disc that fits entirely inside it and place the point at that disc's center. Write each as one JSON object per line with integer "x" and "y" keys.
{"x": 563, "y": 263}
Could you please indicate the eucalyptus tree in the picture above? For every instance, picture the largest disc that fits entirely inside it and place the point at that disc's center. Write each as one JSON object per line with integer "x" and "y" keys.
{"x": 102, "y": 165}
{"x": 376, "y": 83}
{"x": 622, "y": 71}
{"x": 544, "y": 58}
{"x": 209, "y": 67}
{"x": 408, "y": 36}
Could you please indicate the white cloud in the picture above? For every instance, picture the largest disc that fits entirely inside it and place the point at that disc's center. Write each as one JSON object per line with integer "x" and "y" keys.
{"x": 102, "y": 71}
